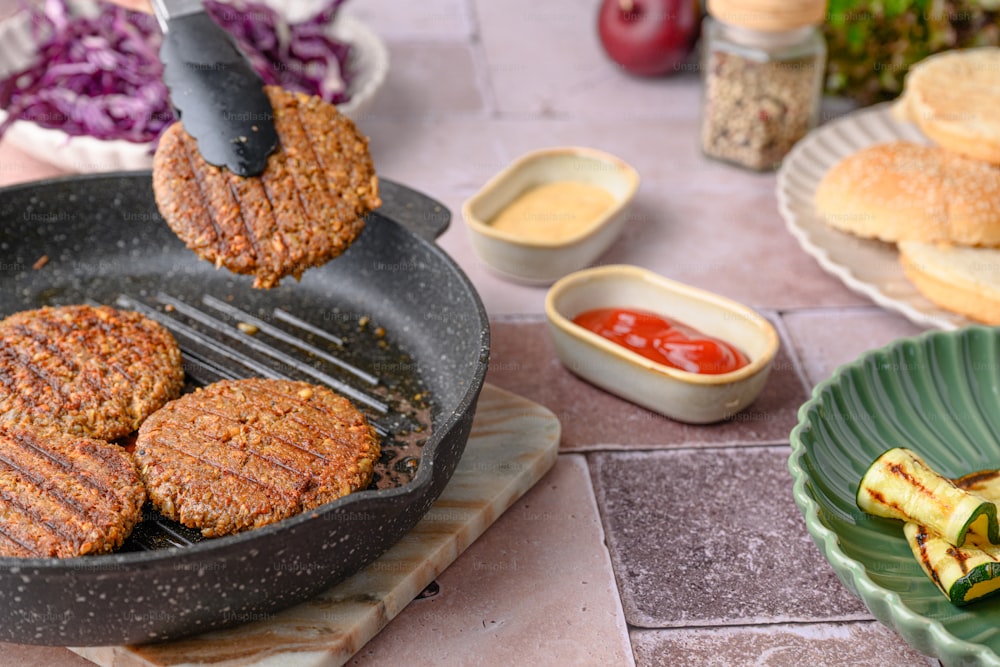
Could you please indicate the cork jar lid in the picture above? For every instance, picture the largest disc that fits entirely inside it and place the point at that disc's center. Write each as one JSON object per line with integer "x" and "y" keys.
{"x": 770, "y": 15}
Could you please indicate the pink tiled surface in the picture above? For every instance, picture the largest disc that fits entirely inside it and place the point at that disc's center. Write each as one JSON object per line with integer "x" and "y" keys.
{"x": 606, "y": 561}
{"x": 524, "y": 362}
{"x": 712, "y": 538}
{"x": 525, "y": 593}
{"x": 799, "y": 644}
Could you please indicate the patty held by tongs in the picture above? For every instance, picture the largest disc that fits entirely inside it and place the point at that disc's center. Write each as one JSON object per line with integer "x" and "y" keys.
{"x": 306, "y": 208}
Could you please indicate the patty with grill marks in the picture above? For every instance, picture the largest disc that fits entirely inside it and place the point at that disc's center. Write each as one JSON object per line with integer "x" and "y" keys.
{"x": 240, "y": 454}
{"x": 94, "y": 371}
{"x": 306, "y": 208}
{"x": 64, "y": 495}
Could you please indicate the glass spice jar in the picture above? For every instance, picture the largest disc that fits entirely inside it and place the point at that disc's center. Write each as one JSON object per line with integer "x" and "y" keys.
{"x": 763, "y": 63}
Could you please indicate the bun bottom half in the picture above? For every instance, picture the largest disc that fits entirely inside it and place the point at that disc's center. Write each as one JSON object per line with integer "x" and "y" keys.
{"x": 959, "y": 279}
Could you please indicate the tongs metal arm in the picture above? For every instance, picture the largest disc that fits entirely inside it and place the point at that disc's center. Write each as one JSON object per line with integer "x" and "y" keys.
{"x": 164, "y": 10}
{"x": 218, "y": 96}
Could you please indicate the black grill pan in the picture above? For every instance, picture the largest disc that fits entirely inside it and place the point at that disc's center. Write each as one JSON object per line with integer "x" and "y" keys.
{"x": 393, "y": 322}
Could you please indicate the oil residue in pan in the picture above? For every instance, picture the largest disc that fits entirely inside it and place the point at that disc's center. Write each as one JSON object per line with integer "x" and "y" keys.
{"x": 350, "y": 353}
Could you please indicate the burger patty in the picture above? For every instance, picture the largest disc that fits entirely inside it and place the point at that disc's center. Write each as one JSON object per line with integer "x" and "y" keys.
{"x": 85, "y": 370}
{"x": 240, "y": 454}
{"x": 64, "y": 495}
{"x": 306, "y": 207}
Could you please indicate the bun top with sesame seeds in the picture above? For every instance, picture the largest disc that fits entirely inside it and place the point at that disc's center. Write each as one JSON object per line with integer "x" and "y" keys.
{"x": 899, "y": 190}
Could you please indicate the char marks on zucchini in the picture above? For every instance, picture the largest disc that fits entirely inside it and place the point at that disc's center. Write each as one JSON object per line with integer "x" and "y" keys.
{"x": 899, "y": 484}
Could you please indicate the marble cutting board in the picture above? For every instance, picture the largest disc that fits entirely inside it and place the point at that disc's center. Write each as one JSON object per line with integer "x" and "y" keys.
{"x": 513, "y": 443}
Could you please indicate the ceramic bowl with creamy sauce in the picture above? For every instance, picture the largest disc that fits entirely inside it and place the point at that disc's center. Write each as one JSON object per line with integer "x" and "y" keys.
{"x": 692, "y": 397}
{"x": 551, "y": 212}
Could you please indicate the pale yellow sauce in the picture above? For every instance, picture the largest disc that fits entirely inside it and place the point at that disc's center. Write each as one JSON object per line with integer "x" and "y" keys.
{"x": 554, "y": 211}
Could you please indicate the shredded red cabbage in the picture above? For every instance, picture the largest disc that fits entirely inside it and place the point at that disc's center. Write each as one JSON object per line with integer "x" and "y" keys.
{"x": 296, "y": 56}
{"x": 101, "y": 75}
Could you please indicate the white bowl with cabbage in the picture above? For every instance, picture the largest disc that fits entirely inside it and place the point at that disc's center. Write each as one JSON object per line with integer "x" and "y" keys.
{"x": 80, "y": 83}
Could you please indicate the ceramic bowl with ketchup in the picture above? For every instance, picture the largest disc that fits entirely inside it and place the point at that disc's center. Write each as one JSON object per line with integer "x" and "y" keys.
{"x": 683, "y": 352}
{"x": 550, "y": 212}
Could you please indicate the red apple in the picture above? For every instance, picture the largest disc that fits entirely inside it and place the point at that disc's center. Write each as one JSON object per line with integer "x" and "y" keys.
{"x": 649, "y": 37}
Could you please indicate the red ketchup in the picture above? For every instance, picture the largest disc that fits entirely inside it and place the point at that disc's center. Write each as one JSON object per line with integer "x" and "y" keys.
{"x": 664, "y": 341}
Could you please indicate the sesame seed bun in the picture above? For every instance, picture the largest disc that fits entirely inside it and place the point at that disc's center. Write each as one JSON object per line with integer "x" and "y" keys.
{"x": 953, "y": 98}
{"x": 899, "y": 191}
{"x": 960, "y": 279}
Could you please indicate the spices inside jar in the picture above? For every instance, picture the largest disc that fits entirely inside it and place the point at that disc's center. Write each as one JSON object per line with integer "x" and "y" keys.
{"x": 761, "y": 91}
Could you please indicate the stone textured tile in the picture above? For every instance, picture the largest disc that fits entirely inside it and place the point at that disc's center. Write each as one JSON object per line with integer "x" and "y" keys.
{"x": 429, "y": 19}
{"x": 759, "y": 263}
{"x": 665, "y": 152}
{"x": 823, "y": 340}
{"x": 19, "y": 655}
{"x": 558, "y": 67}
{"x": 535, "y": 589}
{"x": 524, "y": 362}
{"x": 442, "y": 160}
{"x": 416, "y": 69}
{"x": 713, "y": 538}
{"x": 866, "y": 644}
{"x": 738, "y": 247}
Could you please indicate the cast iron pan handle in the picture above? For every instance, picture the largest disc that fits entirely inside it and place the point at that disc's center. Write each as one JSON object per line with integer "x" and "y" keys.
{"x": 425, "y": 217}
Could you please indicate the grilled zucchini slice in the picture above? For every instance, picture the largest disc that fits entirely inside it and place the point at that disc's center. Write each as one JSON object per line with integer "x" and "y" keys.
{"x": 985, "y": 483}
{"x": 900, "y": 485}
{"x": 967, "y": 573}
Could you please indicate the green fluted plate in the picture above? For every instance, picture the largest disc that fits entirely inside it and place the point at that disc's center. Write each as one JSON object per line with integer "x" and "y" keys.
{"x": 938, "y": 394}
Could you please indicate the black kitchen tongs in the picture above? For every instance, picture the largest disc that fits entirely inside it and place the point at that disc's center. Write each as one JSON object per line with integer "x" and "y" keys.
{"x": 218, "y": 96}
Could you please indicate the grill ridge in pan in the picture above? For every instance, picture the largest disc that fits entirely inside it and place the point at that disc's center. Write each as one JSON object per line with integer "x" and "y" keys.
{"x": 104, "y": 241}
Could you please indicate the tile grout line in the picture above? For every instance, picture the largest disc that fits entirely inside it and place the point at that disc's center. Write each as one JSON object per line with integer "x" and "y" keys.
{"x": 610, "y": 563}
{"x": 480, "y": 61}
{"x": 751, "y": 625}
{"x": 605, "y": 531}
{"x": 650, "y": 448}
{"x": 792, "y": 351}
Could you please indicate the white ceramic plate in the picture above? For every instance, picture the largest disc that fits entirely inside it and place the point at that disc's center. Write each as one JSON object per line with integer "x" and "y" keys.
{"x": 91, "y": 155}
{"x": 868, "y": 267}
